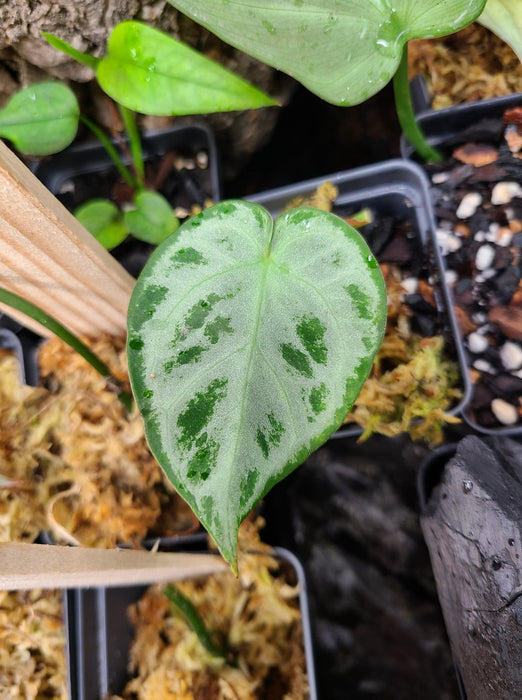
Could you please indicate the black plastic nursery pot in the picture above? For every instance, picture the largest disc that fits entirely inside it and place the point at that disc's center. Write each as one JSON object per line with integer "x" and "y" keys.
{"x": 402, "y": 234}
{"x": 181, "y": 160}
{"x": 477, "y": 199}
{"x": 101, "y": 634}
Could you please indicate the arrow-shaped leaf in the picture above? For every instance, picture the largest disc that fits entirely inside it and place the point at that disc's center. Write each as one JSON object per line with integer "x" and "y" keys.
{"x": 248, "y": 341}
{"x": 152, "y": 73}
{"x": 343, "y": 51}
{"x": 41, "y": 119}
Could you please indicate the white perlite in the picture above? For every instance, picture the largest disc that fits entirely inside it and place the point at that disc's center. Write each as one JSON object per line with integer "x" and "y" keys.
{"x": 469, "y": 205}
{"x": 503, "y": 192}
{"x": 511, "y": 356}
{"x": 485, "y": 256}
{"x": 477, "y": 343}
{"x": 504, "y": 412}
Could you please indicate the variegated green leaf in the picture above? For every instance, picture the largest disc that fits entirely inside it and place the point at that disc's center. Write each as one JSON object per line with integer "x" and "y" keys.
{"x": 344, "y": 51}
{"x": 248, "y": 342}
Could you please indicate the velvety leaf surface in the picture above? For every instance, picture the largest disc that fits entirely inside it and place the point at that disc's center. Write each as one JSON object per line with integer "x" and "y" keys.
{"x": 41, "y": 119}
{"x": 343, "y": 51}
{"x": 248, "y": 342}
{"x": 152, "y": 73}
{"x": 104, "y": 220}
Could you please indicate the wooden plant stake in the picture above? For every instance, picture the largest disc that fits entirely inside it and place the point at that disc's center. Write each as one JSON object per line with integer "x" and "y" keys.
{"x": 24, "y": 566}
{"x": 473, "y": 528}
{"x": 47, "y": 257}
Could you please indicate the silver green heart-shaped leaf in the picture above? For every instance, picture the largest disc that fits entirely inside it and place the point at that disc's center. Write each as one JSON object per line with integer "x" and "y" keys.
{"x": 41, "y": 119}
{"x": 248, "y": 342}
{"x": 342, "y": 50}
{"x": 152, "y": 73}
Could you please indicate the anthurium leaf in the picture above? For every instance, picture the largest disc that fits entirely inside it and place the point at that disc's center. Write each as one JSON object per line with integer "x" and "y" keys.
{"x": 342, "y": 51}
{"x": 248, "y": 341}
{"x": 153, "y": 219}
{"x": 84, "y": 58}
{"x": 152, "y": 73}
{"x": 41, "y": 119}
{"x": 504, "y": 18}
{"x": 104, "y": 220}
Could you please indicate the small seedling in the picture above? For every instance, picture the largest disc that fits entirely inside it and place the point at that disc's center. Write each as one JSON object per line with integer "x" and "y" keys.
{"x": 144, "y": 71}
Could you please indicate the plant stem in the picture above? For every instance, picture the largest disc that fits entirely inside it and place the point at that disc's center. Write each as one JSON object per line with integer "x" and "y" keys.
{"x": 113, "y": 153}
{"x": 129, "y": 122}
{"x": 37, "y": 314}
{"x": 404, "y": 107}
{"x": 194, "y": 621}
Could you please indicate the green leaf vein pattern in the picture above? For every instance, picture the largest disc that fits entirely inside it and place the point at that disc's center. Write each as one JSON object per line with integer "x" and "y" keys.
{"x": 248, "y": 341}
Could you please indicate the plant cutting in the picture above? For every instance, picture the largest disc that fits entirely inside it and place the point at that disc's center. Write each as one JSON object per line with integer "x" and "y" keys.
{"x": 146, "y": 71}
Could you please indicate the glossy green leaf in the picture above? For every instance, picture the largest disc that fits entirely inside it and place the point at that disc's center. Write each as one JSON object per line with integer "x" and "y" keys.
{"x": 152, "y": 73}
{"x": 83, "y": 58}
{"x": 504, "y": 18}
{"x": 104, "y": 220}
{"x": 41, "y": 119}
{"x": 248, "y": 342}
{"x": 153, "y": 219}
{"x": 342, "y": 51}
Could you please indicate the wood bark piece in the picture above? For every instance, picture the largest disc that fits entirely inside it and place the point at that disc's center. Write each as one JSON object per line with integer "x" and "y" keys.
{"x": 27, "y": 566}
{"x": 473, "y": 528}
{"x": 47, "y": 257}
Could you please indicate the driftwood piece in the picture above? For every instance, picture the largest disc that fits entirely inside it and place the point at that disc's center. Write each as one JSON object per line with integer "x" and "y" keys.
{"x": 47, "y": 257}
{"x": 473, "y": 528}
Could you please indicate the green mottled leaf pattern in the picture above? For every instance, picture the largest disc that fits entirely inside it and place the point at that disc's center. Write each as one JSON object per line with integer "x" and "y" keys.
{"x": 343, "y": 51}
{"x": 152, "y": 73}
{"x": 41, "y": 119}
{"x": 248, "y": 342}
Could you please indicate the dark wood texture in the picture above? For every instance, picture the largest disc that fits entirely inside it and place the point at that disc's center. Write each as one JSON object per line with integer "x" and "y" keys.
{"x": 472, "y": 526}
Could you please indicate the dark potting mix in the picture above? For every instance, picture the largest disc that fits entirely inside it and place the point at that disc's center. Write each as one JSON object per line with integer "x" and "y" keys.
{"x": 477, "y": 196}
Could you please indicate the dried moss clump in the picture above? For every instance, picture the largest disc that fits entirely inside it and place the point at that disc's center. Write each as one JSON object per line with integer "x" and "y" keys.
{"x": 32, "y": 645}
{"x": 256, "y": 616}
{"x": 473, "y": 64}
{"x": 73, "y": 462}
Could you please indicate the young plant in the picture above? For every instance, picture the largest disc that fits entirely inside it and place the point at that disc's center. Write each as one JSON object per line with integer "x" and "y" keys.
{"x": 145, "y": 71}
{"x": 344, "y": 52}
{"x": 248, "y": 342}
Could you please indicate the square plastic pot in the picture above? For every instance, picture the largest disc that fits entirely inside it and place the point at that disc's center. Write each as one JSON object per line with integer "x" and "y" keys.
{"x": 398, "y": 188}
{"x": 85, "y": 171}
{"x": 446, "y": 129}
{"x": 101, "y": 635}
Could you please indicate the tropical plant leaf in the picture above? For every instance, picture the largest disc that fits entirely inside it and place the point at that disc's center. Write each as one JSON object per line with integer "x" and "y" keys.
{"x": 153, "y": 219}
{"x": 504, "y": 18}
{"x": 104, "y": 220}
{"x": 41, "y": 119}
{"x": 248, "y": 342}
{"x": 342, "y": 51}
{"x": 152, "y": 73}
{"x": 83, "y": 58}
